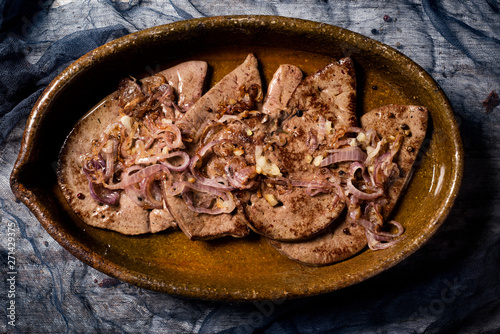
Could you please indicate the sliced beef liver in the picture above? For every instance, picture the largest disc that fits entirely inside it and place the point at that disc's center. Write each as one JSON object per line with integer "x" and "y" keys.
{"x": 328, "y": 95}
{"x": 297, "y": 216}
{"x": 126, "y": 217}
{"x": 411, "y": 122}
{"x": 188, "y": 79}
{"x": 330, "y": 92}
{"x": 342, "y": 241}
{"x": 205, "y": 109}
{"x": 280, "y": 89}
{"x": 200, "y": 225}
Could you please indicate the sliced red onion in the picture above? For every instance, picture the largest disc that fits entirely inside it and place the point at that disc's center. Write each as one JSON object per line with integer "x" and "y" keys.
{"x": 177, "y": 135}
{"x": 218, "y": 183}
{"x": 153, "y": 193}
{"x": 177, "y": 188}
{"x": 390, "y": 169}
{"x": 199, "y": 132}
{"x": 226, "y": 118}
{"x": 315, "y": 187}
{"x": 396, "y": 145}
{"x": 376, "y": 177}
{"x": 280, "y": 180}
{"x": 203, "y": 150}
{"x": 226, "y": 196}
{"x": 182, "y": 185}
{"x": 354, "y": 168}
{"x": 393, "y": 235}
{"x": 353, "y": 129}
{"x": 362, "y": 195}
{"x": 344, "y": 154}
{"x": 314, "y": 191}
{"x": 371, "y": 156}
{"x": 162, "y": 158}
{"x": 145, "y": 193}
{"x": 109, "y": 154}
{"x": 375, "y": 244}
{"x": 142, "y": 173}
{"x": 96, "y": 190}
{"x": 204, "y": 210}
{"x": 93, "y": 165}
{"x": 340, "y": 192}
{"x": 183, "y": 166}
{"x": 380, "y": 239}
{"x": 101, "y": 194}
{"x": 167, "y": 97}
{"x": 239, "y": 179}
{"x": 364, "y": 173}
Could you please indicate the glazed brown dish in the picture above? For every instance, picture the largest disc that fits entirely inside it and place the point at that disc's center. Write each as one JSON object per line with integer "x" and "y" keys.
{"x": 158, "y": 154}
{"x": 236, "y": 269}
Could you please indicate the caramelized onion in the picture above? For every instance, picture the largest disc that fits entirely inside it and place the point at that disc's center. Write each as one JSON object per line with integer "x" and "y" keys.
{"x": 344, "y": 154}
{"x": 171, "y": 144}
{"x": 109, "y": 153}
{"x": 379, "y": 239}
{"x": 140, "y": 174}
{"x": 218, "y": 183}
{"x": 362, "y": 195}
{"x": 240, "y": 178}
{"x": 103, "y": 195}
{"x": 162, "y": 158}
{"x": 182, "y": 187}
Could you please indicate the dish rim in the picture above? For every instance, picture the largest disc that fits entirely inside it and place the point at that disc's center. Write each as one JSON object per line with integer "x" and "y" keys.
{"x": 86, "y": 255}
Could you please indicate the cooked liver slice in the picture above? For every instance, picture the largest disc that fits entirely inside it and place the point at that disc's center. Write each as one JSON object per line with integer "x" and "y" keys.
{"x": 160, "y": 220}
{"x": 330, "y": 93}
{"x": 206, "y": 107}
{"x": 282, "y": 85}
{"x": 298, "y": 216}
{"x": 188, "y": 79}
{"x": 338, "y": 243}
{"x": 204, "y": 226}
{"x": 345, "y": 240}
{"x": 389, "y": 120}
{"x": 126, "y": 217}
{"x": 201, "y": 226}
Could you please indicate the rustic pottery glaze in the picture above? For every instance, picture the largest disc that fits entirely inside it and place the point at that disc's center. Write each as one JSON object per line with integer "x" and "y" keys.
{"x": 234, "y": 269}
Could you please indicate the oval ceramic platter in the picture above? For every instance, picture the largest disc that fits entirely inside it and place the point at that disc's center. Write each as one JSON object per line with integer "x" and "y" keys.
{"x": 235, "y": 269}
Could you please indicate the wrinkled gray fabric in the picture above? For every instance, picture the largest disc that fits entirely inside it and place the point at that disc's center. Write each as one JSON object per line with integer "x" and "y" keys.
{"x": 451, "y": 285}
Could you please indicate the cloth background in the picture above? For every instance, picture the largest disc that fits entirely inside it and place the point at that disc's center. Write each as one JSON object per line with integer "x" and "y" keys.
{"x": 451, "y": 285}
